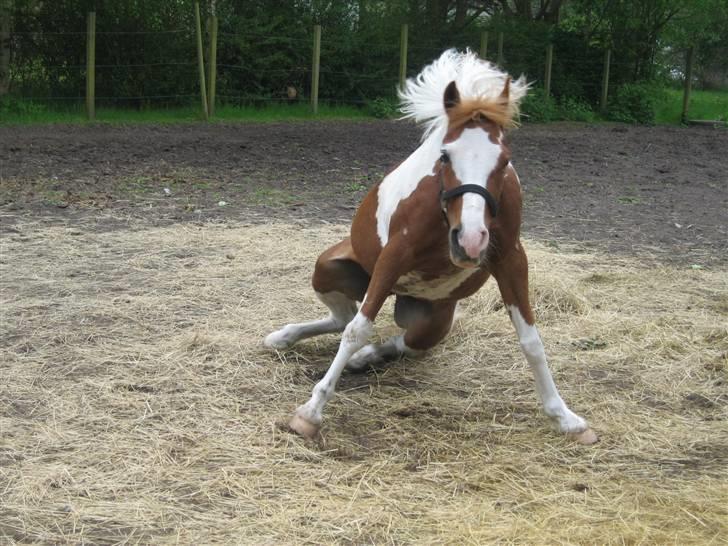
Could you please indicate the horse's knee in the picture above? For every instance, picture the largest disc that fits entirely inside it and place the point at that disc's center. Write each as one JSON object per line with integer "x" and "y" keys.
{"x": 422, "y": 340}
{"x": 357, "y": 333}
{"x": 428, "y": 324}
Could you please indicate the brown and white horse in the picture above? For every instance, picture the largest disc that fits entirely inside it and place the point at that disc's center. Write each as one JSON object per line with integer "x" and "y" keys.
{"x": 431, "y": 233}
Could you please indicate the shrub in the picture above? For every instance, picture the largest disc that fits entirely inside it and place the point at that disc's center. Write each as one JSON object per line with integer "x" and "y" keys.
{"x": 9, "y": 105}
{"x": 634, "y": 103}
{"x": 572, "y": 109}
{"x": 538, "y": 108}
{"x": 383, "y": 108}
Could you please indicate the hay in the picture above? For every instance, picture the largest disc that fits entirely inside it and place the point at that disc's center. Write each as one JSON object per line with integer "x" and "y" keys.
{"x": 137, "y": 405}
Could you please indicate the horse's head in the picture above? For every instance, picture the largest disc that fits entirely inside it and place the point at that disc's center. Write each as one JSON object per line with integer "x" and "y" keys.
{"x": 472, "y": 168}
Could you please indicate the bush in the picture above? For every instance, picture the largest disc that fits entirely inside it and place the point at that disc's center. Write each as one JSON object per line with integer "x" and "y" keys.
{"x": 9, "y": 105}
{"x": 539, "y": 108}
{"x": 383, "y": 108}
{"x": 635, "y": 103}
{"x": 572, "y": 109}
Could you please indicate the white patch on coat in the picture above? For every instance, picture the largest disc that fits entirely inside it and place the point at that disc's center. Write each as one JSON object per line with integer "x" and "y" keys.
{"x": 412, "y": 284}
{"x": 402, "y": 181}
{"x": 553, "y": 405}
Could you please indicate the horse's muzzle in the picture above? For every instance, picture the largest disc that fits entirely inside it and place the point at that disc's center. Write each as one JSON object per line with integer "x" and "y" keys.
{"x": 470, "y": 254}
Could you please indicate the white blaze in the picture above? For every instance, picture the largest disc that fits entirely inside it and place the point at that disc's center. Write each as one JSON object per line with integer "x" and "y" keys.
{"x": 473, "y": 158}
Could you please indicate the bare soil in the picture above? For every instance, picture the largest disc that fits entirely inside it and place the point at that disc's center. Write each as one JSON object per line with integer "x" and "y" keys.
{"x": 658, "y": 192}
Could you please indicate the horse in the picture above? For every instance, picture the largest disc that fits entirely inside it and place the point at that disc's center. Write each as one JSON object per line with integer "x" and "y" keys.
{"x": 431, "y": 233}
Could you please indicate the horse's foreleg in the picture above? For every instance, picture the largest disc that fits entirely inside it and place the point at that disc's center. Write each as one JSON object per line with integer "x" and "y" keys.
{"x": 342, "y": 310}
{"x": 307, "y": 419}
{"x": 512, "y": 276}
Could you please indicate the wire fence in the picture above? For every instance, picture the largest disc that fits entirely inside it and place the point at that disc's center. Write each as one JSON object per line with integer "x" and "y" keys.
{"x": 161, "y": 68}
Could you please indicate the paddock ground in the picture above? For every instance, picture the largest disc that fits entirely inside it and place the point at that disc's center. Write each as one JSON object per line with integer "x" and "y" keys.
{"x": 137, "y": 404}
{"x": 654, "y": 191}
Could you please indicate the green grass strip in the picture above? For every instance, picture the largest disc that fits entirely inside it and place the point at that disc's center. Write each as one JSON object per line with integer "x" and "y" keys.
{"x": 29, "y": 113}
{"x": 710, "y": 105}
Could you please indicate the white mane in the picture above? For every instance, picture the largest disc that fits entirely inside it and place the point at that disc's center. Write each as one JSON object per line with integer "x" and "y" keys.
{"x": 422, "y": 97}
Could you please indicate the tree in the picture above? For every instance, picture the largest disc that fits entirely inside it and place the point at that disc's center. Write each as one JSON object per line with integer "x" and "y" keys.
{"x": 547, "y": 11}
{"x": 5, "y": 26}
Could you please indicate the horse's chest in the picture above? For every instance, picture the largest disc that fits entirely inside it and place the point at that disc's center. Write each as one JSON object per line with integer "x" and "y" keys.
{"x": 415, "y": 284}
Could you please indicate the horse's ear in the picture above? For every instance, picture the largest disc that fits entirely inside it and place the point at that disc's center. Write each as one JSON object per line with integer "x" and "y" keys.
{"x": 452, "y": 96}
{"x": 506, "y": 89}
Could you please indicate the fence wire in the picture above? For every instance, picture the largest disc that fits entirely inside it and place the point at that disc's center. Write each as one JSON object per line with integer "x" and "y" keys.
{"x": 159, "y": 67}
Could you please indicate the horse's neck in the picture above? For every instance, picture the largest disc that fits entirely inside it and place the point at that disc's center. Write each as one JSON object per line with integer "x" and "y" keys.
{"x": 404, "y": 180}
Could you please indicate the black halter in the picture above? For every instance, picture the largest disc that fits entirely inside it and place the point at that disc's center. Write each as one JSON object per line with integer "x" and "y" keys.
{"x": 445, "y": 196}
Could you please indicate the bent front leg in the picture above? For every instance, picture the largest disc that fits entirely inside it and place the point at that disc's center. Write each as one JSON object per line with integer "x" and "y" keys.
{"x": 308, "y": 417}
{"x": 512, "y": 277}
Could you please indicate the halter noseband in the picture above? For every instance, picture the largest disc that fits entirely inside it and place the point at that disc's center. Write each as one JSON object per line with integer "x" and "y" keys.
{"x": 445, "y": 196}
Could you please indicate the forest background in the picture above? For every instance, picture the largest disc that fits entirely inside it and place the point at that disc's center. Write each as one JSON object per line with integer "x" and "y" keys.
{"x": 146, "y": 54}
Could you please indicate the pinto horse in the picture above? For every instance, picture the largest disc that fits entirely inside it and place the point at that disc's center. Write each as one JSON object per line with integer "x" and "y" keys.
{"x": 431, "y": 233}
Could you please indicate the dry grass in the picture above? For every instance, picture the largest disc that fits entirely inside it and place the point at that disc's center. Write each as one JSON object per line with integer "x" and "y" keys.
{"x": 137, "y": 405}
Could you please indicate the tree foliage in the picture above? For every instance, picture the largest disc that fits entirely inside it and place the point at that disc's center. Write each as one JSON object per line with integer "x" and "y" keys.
{"x": 146, "y": 48}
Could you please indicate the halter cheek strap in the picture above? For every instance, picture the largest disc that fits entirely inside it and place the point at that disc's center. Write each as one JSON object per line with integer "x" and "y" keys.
{"x": 445, "y": 196}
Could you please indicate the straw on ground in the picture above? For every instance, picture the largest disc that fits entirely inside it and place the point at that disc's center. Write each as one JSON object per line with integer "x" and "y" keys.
{"x": 137, "y": 404}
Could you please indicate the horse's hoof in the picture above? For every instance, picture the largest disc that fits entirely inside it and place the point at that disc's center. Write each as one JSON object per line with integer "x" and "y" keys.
{"x": 302, "y": 426}
{"x": 277, "y": 341}
{"x": 586, "y": 437}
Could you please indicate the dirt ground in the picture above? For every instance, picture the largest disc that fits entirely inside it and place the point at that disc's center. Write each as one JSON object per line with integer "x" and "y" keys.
{"x": 137, "y": 405}
{"x": 656, "y": 191}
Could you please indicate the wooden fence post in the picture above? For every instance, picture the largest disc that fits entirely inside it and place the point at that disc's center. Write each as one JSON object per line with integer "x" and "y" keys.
{"x": 403, "y": 55}
{"x": 201, "y": 62}
{"x": 605, "y": 80}
{"x": 688, "y": 84}
{"x": 91, "y": 66}
{"x": 484, "y": 44}
{"x": 5, "y": 26}
{"x": 316, "y": 67}
{"x": 212, "y": 66}
{"x": 547, "y": 75}
{"x": 499, "y": 61}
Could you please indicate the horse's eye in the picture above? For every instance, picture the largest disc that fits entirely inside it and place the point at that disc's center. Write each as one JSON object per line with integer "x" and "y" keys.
{"x": 444, "y": 158}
